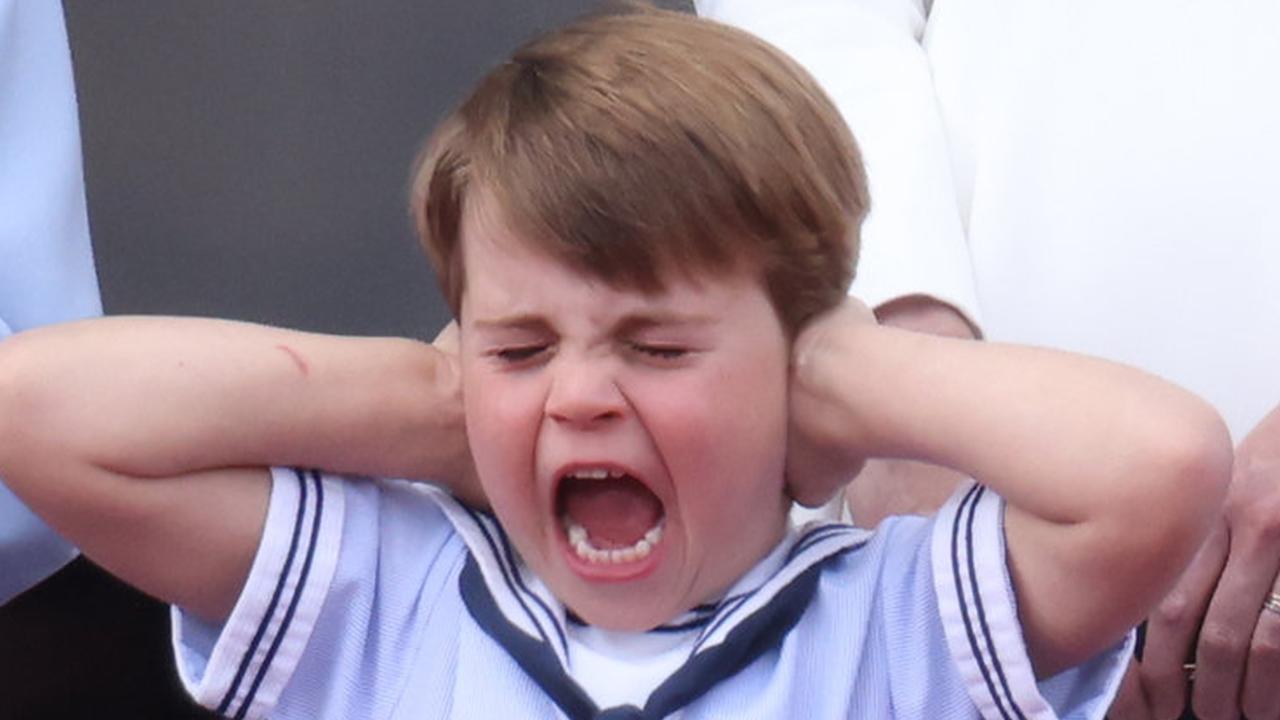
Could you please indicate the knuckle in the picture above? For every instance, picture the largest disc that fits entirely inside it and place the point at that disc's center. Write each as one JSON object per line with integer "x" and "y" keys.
{"x": 1255, "y": 511}
{"x": 1221, "y": 643}
{"x": 1177, "y": 610}
{"x": 1263, "y": 521}
{"x": 1266, "y": 648}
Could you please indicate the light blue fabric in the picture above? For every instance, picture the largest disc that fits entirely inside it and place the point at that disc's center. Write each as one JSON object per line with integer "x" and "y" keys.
{"x": 46, "y": 262}
{"x": 358, "y": 605}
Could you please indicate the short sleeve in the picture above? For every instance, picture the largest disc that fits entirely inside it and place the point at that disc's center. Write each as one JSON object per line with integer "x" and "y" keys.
{"x": 867, "y": 55}
{"x": 979, "y": 616}
{"x": 330, "y": 617}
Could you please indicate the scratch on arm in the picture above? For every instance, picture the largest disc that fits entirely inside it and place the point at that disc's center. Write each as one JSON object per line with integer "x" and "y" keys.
{"x": 297, "y": 358}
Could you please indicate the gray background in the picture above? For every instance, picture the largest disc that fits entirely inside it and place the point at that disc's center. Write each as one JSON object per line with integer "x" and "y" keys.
{"x": 250, "y": 158}
{"x": 247, "y": 159}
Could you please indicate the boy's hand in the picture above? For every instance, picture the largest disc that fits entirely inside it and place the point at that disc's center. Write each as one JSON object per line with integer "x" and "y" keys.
{"x": 823, "y": 452}
{"x": 461, "y": 479}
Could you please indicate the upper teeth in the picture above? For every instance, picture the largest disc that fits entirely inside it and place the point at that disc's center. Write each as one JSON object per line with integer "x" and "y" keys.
{"x": 595, "y": 474}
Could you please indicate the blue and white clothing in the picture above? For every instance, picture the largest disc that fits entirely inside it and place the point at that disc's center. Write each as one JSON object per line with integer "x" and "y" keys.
{"x": 46, "y": 264}
{"x": 385, "y": 599}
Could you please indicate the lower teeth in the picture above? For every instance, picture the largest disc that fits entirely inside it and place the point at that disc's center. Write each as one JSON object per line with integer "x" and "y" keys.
{"x": 583, "y": 548}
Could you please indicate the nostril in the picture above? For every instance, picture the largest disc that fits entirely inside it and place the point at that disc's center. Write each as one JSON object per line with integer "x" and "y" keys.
{"x": 581, "y": 397}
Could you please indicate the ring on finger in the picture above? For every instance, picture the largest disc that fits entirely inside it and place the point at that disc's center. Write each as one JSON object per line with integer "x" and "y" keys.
{"x": 1272, "y": 603}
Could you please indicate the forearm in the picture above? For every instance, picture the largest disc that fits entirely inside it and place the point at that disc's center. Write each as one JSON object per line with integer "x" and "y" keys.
{"x": 1079, "y": 448}
{"x": 906, "y": 487}
{"x": 1058, "y": 435}
{"x": 159, "y": 397}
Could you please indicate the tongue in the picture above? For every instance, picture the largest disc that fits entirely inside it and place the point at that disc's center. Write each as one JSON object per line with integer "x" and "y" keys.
{"x": 614, "y": 512}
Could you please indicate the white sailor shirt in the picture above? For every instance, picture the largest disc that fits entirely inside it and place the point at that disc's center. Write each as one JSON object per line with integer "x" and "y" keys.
{"x": 388, "y": 599}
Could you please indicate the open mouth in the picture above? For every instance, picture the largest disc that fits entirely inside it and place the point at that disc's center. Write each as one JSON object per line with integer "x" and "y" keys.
{"x": 609, "y": 516}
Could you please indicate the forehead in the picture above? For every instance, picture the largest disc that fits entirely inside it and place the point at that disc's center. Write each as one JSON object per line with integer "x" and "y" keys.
{"x": 507, "y": 272}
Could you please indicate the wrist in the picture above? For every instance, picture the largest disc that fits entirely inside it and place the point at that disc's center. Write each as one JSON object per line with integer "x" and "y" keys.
{"x": 829, "y": 392}
{"x": 892, "y": 388}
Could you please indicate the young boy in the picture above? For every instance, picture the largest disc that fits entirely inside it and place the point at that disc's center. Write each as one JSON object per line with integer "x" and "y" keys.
{"x": 645, "y": 225}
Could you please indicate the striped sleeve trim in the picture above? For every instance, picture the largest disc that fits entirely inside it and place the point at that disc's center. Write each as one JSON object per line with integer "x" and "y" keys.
{"x": 977, "y": 608}
{"x": 263, "y": 639}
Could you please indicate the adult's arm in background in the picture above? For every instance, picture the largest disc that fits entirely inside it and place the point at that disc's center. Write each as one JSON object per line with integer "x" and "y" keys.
{"x": 46, "y": 261}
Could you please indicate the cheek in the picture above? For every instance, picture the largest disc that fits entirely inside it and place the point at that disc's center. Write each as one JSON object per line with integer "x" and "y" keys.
{"x": 727, "y": 431}
{"x": 502, "y": 424}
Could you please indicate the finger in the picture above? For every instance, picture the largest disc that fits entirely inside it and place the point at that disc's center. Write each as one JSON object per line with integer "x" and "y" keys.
{"x": 1171, "y": 629}
{"x": 447, "y": 339}
{"x": 1131, "y": 701}
{"x": 1229, "y": 625}
{"x": 1260, "y": 698}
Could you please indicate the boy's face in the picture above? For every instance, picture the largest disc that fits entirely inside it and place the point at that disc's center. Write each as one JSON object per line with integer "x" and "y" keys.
{"x": 632, "y": 445}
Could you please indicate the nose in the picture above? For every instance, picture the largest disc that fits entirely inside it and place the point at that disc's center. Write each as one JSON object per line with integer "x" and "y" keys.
{"x": 584, "y": 392}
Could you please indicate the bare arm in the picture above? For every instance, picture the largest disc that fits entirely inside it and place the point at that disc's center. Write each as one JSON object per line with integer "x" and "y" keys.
{"x": 144, "y": 440}
{"x": 908, "y": 487}
{"x": 1216, "y": 610}
{"x": 1078, "y": 447}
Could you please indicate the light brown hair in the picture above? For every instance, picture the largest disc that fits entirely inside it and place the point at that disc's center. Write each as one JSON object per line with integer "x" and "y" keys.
{"x": 641, "y": 142}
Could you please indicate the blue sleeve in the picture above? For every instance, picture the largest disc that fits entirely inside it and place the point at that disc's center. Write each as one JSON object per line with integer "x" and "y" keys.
{"x": 347, "y": 575}
{"x": 46, "y": 264}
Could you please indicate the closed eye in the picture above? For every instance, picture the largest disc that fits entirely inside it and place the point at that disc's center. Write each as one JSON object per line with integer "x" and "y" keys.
{"x": 518, "y": 353}
{"x": 661, "y": 352}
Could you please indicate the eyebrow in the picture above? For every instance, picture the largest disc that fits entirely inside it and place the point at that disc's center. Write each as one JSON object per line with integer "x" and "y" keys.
{"x": 637, "y": 322}
{"x": 630, "y": 323}
{"x": 524, "y": 321}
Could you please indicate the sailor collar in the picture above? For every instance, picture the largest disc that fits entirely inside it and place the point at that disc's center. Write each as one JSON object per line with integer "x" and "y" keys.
{"x": 519, "y": 612}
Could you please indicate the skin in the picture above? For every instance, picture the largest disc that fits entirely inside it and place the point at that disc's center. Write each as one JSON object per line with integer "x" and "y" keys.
{"x": 1212, "y": 613}
{"x": 694, "y": 389}
{"x": 1081, "y": 570}
{"x": 1215, "y": 609}
{"x": 907, "y": 487}
{"x": 144, "y": 441}
{"x": 686, "y": 389}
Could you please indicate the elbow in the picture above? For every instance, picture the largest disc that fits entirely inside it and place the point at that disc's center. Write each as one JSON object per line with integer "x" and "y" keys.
{"x": 1174, "y": 485}
{"x": 1203, "y": 462}
{"x": 1189, "y": 465}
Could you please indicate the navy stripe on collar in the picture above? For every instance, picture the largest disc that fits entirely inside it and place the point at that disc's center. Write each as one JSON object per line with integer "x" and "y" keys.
{"x": 737, "y": 630}
{"x": 499, "y": 548}
{"x": 536, "y": 657}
